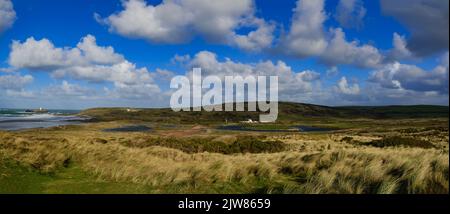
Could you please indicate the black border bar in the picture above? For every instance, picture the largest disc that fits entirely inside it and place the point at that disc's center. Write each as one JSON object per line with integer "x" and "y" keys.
{"x": 62, "y": 203}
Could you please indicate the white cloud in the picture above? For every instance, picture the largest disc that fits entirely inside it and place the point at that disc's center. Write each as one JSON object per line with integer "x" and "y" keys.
{"x": 306, "y": 36}
{"x": 67, "y": 89}
{"x": 37, "y": 55}
{"x": 339, "y": 51}
{"x": 43, "y": 55}
{"x": 380, "y": 95}
{"x": 344, "y": 88}
{"x": 92, "y": 53}
{"x": 136, "y": 91}
{"x": 124, "y": 72}
{"x": 308, "y": 76}
{"x": 350, "y": 13}
{"x": 13, "y": 85}
{"x": 7, "y": 14}
{"x": 174, "y": 22}
{"x": 165, "y": 23}
{"x": 400, "y": 50}
{"x": 180, "y": 59}
{"x": 87, "y": 61}
{"x": 15, "y": 82}
{"x": 396, "y": 84}
{"x": 7, "y": 70}
{"x": 333, "y": 71}
{"x": 20, "y": 93}
{"x": 212, "y": 66}
{"x": 163, "y": 75}
{"x": 256, "y": 40}
{"x": 290, "y": 82}
{"x": 410, "y": 77}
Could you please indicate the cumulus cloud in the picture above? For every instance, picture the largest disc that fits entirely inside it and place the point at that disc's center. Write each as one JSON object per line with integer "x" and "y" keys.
{"x": 14, "y": 85}
{"x": 350, "y": 13}
{"x": 306, "y": 36}
{"x": 339, "y": 51}
{"x": 7, "y": 70}
{"x": 163, "y": 75}
{"x": 7, "y": 14}
{"x": 36, "y": 55}
{"x": 211, "y": 65}
{"x": 333, "y": 71}
{"x": 123, "y": 72}
{"x": 174, "y": 22}
{"x": 298, "y": 86}
{"x": 66, "y": 89}
{"x": 308, "y": 76}
{"x": 43, "y": 55}
{"x": 410, "y": 77}
{"x": 87, "y": 61}
{"x": 180, "y": 59}
{"x": 256, "y": 40}
{"x": 22, "y": 93}
{"x": 344, "y": 88}
{"x": 396, "y": 84}
{"x": 400, "y": 50}
{"x": 427, "y": 20}
{"x": 290, "y": 82}
{"x": 15, "y": 82}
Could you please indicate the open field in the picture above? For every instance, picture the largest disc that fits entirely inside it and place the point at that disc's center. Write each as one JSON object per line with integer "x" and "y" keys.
{"x": 361, "y": 155}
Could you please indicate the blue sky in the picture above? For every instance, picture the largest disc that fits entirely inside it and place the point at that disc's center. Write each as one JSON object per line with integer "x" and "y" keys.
{"x": 364, "y": 68}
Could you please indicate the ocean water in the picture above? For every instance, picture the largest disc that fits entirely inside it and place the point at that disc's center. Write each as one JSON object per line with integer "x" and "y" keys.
{"x": 18, "y": 119}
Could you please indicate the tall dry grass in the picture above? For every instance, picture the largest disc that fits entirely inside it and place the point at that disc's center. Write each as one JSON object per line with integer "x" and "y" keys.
{"x": 324, "y": 166}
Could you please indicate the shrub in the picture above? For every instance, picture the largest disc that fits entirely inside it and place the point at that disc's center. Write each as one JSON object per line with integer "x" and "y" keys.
{"x": 400, "y": 141}
{"x": 347, "y": 139}
{"x": 243, "y": 144}
{"x": 393, "y": 141}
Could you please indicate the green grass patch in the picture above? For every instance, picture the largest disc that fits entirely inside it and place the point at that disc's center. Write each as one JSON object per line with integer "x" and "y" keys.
{"x": 18, "y": 179}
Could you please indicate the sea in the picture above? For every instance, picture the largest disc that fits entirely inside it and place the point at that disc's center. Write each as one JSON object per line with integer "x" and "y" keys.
{"x": 19, "y": 119}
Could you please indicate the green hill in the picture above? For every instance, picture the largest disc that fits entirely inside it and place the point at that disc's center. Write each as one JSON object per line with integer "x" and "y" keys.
{"x": 287, "y": 112}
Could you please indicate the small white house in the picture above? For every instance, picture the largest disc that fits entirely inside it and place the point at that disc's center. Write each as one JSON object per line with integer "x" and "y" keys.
{"x": 131, "y": 110}
{"x": 265, "y": 121}
{"x": 249, "y": 121}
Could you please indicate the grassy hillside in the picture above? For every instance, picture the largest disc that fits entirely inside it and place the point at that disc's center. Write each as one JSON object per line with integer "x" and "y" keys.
{"x": 415, "y": 111}
{"x": 361, "y": 154}
{"x": 383, "y": 156}
{"x": 289, "y": 112}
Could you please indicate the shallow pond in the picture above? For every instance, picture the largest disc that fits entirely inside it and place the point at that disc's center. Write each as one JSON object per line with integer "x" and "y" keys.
{"x": 299, "y": 128}
{"x": 313, "y": 129}
{"x": 133, "y": 128}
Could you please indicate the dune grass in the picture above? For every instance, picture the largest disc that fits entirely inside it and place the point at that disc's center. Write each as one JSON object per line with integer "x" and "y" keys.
{"x": 86, "y": 160}
{"x": 16, "y": 179}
